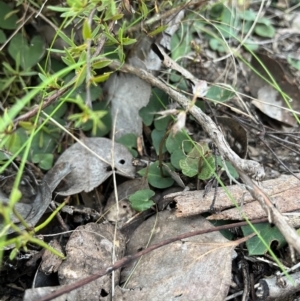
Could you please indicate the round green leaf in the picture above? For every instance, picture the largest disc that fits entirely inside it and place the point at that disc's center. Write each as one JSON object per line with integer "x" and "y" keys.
{"x": 7, "y": 22}
{"x": 219, "y": 94}
{"x": 2, "y": 37}
{"x": 248, "y": 15}
{"x": 106, "y": 119}
{"x": 207, "y": 168}
{"x": 179, "y": 141}
{"x": 154, "y": 177}
{"x": 155, "y": 104}
{"x": 265, "y": 31}
{"x": 28, "y": 55}
{"x": 45, "y": 160}
{"x": 140, "y": 200}
{"x": 157, "y": 137}
{"x": 293, "y": 62}
{"x": 189, "y": 166}
{"x": 130, "y": 141}
{"x": 176, "y": 156}
{"x": 181, "y": 42}
{"x": 268, "y": 233}
{"x": 16, "y": 140}
{"x": 161, "y": 124}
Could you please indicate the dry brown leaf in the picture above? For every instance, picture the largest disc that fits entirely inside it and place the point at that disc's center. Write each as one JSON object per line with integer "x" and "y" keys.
{"x": 89, "y": 171}
{"x": 90, "y": 249}
{"x": 272, "y": 100}
{"x": 197, "y": 268}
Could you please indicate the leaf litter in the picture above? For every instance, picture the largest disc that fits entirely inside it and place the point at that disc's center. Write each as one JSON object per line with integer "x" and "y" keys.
{"x": 175, "y": 271}
{"x": 92, "y": 164}
{"x": 150, "y": 289}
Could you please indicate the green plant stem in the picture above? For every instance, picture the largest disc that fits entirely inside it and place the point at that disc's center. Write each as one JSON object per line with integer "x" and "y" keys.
{"x": 49, "y": 219}
{"x": 20, "y": 218}
{"x": 160, "y": 155}
{"x": 47, "y": 247}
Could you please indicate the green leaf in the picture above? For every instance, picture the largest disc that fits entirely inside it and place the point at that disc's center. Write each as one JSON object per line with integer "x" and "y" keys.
{"x": 45, "y": 141}
{"x": 248, "y": 15}
{"x": 265, "y": 31}
{"x": 86, "y": 30}
{"x": 45, "y": 160}
{"x": 194, "y": 163}
{"x": 59, "y": 113}
{"x": 101, "y": 78}
{"x": 16, "y": 140}
{"x": 189, "y": 166}
{"x": 130, "y": 141}
{"x": 176, "y": 156}
{"x": 154, "y": 177}
{"x": 270, "y": 234}
{"x": 111, "y": 38}
{"x": 140, "y": 200}
{"x": 219, "y": 94}
{"x": 216, "y": 45}
{"x": 157, "y": 137}
{"x": 178, "y": 146}
{"x": 216, "y": 11}
{"x": 251, "y": 45}
{"x": 127, "y": 41}
{"x": 30, "y": 54}
{"x": 161, "y": 124}
{"x": 181, "y": 42}
{"x": 207, "y": 168}
{"x": 105, "y": 128}
{"x": 101, "y": 64}
{"x": 179, "y": 141}
{"x": 293, "y": 62}
{"x": 80, "y": 76}
{"x": 229, "y": 166}
{"x": 156, "y": 103}
{"x": 157, "y": 30}
{"x": 8, "y": 20}
{"x": 2, "y": 37}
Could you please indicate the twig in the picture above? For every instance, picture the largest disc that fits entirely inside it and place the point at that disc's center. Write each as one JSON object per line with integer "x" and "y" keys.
{"x": 248, "y": 166}
{"x": 47, "y": 102}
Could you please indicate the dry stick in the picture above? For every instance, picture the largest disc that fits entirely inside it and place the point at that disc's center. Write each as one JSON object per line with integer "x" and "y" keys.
{"x": 248, "y": 166}
{"x": 126, "y": 260}
{"x": 47, "y": 102}
{"x": 241, "y": 165}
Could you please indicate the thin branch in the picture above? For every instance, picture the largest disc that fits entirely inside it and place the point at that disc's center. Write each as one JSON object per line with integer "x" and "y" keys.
{"x": 248, "y": 166}
{"x": 47, "y": 102}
